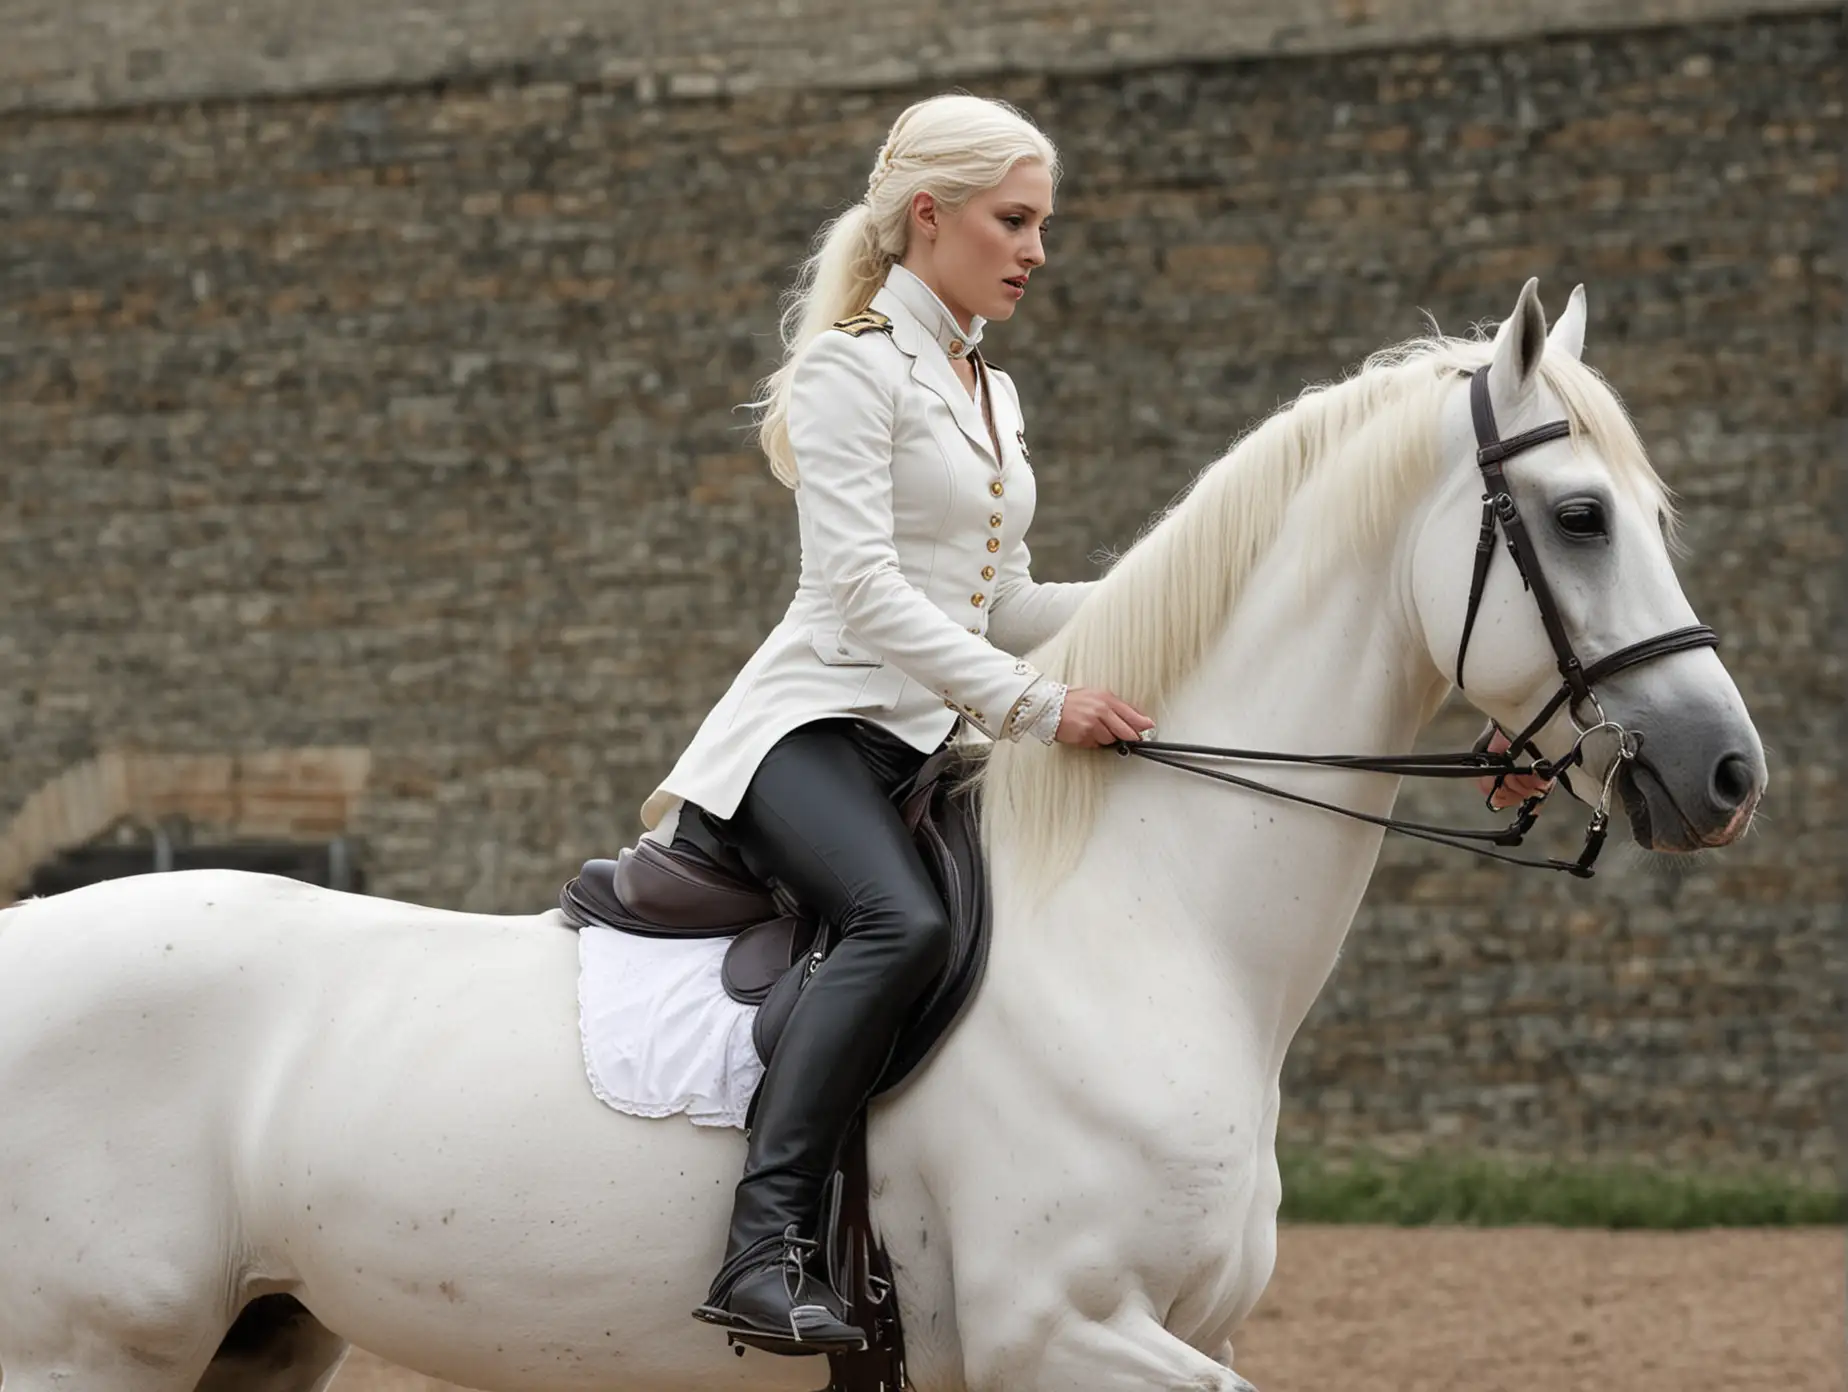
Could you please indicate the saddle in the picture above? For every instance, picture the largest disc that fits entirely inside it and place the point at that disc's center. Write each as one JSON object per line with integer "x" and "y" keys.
{"x": 698, "y": 887}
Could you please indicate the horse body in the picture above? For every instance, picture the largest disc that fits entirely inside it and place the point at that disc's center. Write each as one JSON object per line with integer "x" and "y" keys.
{"x": 400, "y": 1134}
{"x": 221, "y": 1086}
{"x": 375, "y": 1106}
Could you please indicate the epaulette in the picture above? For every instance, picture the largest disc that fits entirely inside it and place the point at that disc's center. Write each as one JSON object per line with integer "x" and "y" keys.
{"x": 868, "y": 322}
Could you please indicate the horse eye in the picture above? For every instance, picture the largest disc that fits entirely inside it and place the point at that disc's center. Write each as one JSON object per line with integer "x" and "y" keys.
{"x": 1581, "y": 519}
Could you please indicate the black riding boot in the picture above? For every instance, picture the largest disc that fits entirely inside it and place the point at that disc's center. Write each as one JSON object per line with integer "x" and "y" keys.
{"x": 772, "y": 1285}
{"x": 773, "y": 1281}
{"x": 817, "y": 819}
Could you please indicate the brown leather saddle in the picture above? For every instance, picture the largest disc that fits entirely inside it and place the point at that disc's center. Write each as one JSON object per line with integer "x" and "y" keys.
{"x": 698, "y": 887}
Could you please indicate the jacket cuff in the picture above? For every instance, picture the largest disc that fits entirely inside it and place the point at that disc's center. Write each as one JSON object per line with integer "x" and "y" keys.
{"x": 1000, "y": 721}
{"x": 1037, "y": 712}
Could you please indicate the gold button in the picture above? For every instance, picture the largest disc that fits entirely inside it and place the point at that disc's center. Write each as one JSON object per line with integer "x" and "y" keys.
{"x": 994, "y": 543}
{"x": 988, "y": 572}
{"x": 949, "y": 705}
{"x": 976, "y": 600}
{"x": 976, "y": 631}
{"x": 994, "y": 519}
{"x": 956, "y": 346}
{"x": 995, "y": 488}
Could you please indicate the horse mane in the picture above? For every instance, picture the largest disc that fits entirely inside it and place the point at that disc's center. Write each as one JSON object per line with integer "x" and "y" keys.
{"x": 1357, "y": 452}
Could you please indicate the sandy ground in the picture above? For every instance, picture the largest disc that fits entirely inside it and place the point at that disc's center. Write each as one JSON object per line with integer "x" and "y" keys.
{"x": 1355, "y": 1309}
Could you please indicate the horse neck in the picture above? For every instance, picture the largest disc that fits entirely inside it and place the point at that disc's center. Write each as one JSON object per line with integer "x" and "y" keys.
{"x": 1237, "y": 903}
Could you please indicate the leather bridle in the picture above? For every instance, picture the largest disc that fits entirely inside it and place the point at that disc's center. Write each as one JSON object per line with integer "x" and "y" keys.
{"x": 1499, "y": 512}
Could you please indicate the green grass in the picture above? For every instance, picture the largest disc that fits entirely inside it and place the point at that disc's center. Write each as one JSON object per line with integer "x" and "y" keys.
{"x": 1478, "y": 1191}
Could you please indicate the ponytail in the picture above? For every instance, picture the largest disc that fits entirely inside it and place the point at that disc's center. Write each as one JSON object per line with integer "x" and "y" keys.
{"x": 837, "y": 281}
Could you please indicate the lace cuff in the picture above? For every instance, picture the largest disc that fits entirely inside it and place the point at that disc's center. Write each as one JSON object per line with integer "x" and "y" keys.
{"x": 1037, "y": 712}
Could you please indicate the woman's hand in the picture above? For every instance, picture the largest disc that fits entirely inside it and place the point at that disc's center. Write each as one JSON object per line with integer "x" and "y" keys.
{"x": 1517, "y": 787}
{"x": 1093, "y": 716}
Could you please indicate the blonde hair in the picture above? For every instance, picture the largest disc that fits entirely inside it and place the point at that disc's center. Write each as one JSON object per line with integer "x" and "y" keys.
{"x": 1355, "y": 453}
{"x": 953, "y": 147}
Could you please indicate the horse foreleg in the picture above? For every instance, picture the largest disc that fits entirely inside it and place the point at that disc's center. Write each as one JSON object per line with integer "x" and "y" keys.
{"x": 1132, "y": 1351}
{"x": 1128, "y": 1351}
{"x": 1224, "y": 1359}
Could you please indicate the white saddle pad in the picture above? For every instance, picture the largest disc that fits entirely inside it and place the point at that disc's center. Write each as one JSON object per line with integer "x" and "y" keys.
{"x": 661, "y": 1037}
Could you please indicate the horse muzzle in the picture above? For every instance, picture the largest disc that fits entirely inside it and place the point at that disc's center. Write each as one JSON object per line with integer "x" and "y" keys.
{"x": 1693, "y": 798}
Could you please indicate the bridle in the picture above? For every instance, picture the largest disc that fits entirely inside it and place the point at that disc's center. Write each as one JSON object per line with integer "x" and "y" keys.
{"x": 1575, "y": 691}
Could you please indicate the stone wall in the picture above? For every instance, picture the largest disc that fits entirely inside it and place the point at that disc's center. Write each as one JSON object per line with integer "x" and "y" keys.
{"x": 101, "y": 53}
{"x": 404, "y": 421}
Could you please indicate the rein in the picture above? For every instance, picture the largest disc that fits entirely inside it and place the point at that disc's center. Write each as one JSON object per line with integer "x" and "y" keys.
{"x": 1498, "y": 512}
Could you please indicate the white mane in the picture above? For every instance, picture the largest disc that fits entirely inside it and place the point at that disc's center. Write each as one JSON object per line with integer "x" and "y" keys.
{"x": 1367, "y": 447}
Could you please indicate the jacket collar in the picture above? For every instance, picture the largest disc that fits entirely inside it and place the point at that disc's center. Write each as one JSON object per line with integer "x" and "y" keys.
{"x": 932, "y": 316}
{"x": 928, "y": 333}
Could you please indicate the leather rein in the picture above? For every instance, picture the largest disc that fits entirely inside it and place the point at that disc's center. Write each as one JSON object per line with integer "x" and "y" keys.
{"x": 1499, "y": 512}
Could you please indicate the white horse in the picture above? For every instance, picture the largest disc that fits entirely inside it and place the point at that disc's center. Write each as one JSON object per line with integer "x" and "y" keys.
{"x": 218, "y": 1087}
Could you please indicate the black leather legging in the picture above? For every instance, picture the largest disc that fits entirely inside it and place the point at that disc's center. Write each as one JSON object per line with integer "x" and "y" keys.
{"x": 818, "y": 818}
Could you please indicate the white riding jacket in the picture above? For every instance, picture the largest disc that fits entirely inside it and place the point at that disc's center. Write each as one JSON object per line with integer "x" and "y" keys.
{"x": 914, "y": 598}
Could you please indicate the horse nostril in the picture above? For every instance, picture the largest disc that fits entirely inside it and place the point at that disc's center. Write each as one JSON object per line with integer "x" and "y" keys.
{"x": 1733, "y": 782}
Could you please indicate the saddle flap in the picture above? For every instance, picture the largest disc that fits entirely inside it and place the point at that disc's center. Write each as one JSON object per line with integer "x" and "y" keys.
{"x": 760, "y": 955}
{"x": 773, "y": 1012}
{"x": 946, "y": 824}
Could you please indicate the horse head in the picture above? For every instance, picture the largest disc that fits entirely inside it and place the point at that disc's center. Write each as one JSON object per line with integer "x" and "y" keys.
{"x": 1553, "y": 551}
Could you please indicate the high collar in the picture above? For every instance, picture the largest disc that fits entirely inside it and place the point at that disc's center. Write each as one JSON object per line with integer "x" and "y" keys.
{"x": 932, "y": 315}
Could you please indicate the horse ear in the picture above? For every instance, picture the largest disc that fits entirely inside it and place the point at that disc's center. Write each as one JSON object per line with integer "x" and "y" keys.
{"x": 1519, "y": 343}
{"x": 1568, "y": 335}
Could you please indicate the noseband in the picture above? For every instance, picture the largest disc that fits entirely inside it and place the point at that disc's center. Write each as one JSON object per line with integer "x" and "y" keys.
{"x": 1575, "y": 693}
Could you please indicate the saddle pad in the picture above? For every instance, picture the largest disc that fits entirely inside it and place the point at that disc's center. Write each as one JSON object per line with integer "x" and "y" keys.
{"x": 660, "y": 1035}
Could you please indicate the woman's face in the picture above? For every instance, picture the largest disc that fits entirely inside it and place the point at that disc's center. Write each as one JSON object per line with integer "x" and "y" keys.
{"x": 978, "y": 257}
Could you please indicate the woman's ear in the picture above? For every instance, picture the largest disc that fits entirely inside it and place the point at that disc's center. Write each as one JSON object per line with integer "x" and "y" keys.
{"x": 924, "y": 213}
